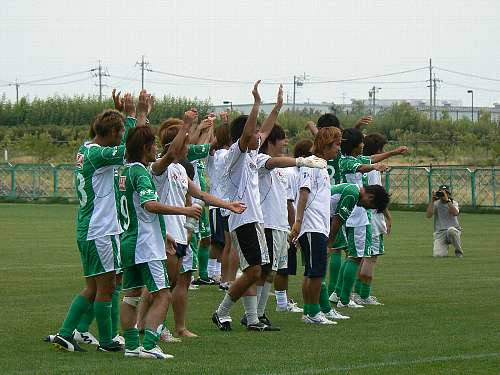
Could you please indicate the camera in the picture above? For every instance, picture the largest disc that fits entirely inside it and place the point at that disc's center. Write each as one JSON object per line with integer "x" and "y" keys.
{"x": 439, "y": 194}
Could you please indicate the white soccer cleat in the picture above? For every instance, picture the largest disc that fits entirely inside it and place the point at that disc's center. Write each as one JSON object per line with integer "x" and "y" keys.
{"x": 290, "y": 307}
{"x": 193, "y": 287}
{"x": 319, "y": 318}
{"x": 335, "y": 315}
{"x": 155, "y": 353}
{"x": 356, "y": 298}
{"x": 351, "y": 304}
{"x": 133, "y": 352}
{"x": 85, "y": 338}
{"x": 333, "y": 297}
{"x": 119, "y": 339}
{"x": 371, "y": 300}
{"x": 166, "y": 336}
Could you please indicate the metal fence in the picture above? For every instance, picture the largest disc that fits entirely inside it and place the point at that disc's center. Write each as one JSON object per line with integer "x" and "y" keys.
{"x": 408, "y": 185}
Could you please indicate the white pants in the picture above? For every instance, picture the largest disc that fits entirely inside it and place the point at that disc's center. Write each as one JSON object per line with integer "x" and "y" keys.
{"x": 443, "y": 238}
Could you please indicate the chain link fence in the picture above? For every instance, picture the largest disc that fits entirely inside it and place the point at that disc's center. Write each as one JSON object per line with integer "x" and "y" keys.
{"x": 408, "y": 186}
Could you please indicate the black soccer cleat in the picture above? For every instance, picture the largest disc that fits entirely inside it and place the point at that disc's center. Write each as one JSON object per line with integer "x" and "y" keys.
{"x": 66, "y": 343}
{"x": 114, "y": 347}
{"x": 244, "y": 321}
{"x": 223, "y": 324}
{"x": 261, "y": 327}
{"x": 264, "y": 319}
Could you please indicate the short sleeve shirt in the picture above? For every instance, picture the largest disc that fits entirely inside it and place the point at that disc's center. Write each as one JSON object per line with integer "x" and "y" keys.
{"x": 349, "y": 174}
{"x": 344, "y": 198}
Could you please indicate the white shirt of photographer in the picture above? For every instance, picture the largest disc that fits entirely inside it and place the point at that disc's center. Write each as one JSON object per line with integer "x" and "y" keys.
{"x": 273, "y": 195}
{"x": 378, "y": 223}
{"x": 241, "y": 179}
{"x": 172, "y": 186}
{"x": 317, "y": 212}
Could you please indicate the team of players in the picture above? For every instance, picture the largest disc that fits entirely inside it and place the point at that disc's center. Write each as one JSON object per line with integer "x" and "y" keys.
{"x": 262, "y": 204}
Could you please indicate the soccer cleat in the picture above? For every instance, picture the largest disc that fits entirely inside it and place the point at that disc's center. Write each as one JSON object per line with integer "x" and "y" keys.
{"x": 133, "y": 352}
{"x": 223, "y": 323}
{"x": 459, "y": 255}
{"x": 155, "y": 353}
{"x": 115, "y": 346}
{"x": 261, "y": 327}
{"x": 49, "y": 338}
{"x": 201, "y": 281}
{"x": 224, "y": 286}
{"x": 319, "y": 318}
{"x": 335, "y": 315}
{"x": 243, "y": 320}
{"x": 85, "y": 338}
{"x": 351, "y": 304}
{"x": 193, "y": 287}
{"x": 290, "y": 307}
{"x": 333, "y": 297}
{"x": 66, "y": 343}
{"x": 120, "y": 339}
{"x": 356, "y": 298}
{"x": 166, "y": 336}
{"x": 264, "y": 319}
{"x": 371, "y": 300}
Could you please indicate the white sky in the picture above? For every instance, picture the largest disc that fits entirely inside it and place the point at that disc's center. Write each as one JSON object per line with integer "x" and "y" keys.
{"x": 247, "y": 40}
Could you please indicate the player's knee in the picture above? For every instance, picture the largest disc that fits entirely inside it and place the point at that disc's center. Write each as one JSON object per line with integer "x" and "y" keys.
{"x": 253, "y": 272}
{"x": 132, "y": 301}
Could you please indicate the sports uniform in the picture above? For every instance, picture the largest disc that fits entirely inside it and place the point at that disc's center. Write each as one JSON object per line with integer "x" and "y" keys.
{"x": 379, "y": 226}
{"x": 292, "y": 195}
{"x": 195, "y": 155}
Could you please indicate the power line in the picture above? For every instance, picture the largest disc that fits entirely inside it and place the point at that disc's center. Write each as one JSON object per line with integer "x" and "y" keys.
{"x": 469, "y": 74}
{"x": 54, "y": 77}
{"x": 368, "y": 77}
{"x": 469, "y": 87}
{"x": 58, "y": 83}
{"x": 143, "y": 64}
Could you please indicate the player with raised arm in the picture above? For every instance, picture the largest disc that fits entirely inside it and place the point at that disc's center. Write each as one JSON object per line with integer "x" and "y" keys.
{"x": 312, "y": 223}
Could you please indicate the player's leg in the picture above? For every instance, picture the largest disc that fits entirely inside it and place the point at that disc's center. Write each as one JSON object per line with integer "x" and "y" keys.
{"x": 356, "y": 240}
{"x": 132, "y": 289}
{"x": 335, "y": 262}
{"x": 115, "y": 298}
{"x": 440, "y": 245}
{"x": 453, "y": 237}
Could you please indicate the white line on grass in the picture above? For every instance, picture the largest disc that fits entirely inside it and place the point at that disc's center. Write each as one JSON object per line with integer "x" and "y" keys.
{"x": 460, "y": 357}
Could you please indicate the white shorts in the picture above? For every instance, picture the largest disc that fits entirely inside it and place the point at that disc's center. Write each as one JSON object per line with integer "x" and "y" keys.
{"x": 249, "y": 240}
{"x": 188, "y": 261}
{"x": 277, "y": 244}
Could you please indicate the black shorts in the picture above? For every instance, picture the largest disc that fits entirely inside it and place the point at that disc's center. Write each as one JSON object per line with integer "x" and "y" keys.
{"x": 225, "y": 223}
{"x": 217, "y": 226}
{"x": 270, "y": 249}
{"x": 314, "y": 248}
{"x": 250, "y": 244}
{"x": 292, "y": 262}
{"x": 181, "y": 250}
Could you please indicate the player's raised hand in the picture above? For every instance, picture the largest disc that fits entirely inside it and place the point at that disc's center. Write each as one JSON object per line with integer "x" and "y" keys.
{"x": 237, "y": 207}
{"x": 151, "y": 103}
{"x": 117, "y": 100}
{"x": 365, "y": 120}
{"x": 255, "y": 93}
{"x": 279, "y": 100}
{"x": 128, "y": 104}
{"x": 190, "y": 116}
{"x": 142, "y": 103}
{"x": 380, "y": 167}
{"x": 224, "y": 117}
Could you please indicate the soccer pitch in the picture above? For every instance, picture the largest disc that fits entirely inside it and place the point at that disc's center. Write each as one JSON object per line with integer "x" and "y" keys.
{"x": 441, "y": 316}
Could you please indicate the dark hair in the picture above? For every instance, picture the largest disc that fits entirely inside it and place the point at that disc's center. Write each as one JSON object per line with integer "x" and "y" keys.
{"x": 106, "y": 121}
{"x": 237, "y": 126}
{"x": 327, "y": 120}
{"x": 380, "y": 197}
{"x": 223, "y": 136}
{"x": 92, "y": 132}
{"x": 138, "y": 137}
{"x": 188, "y": 167}
{"x": 373, "y": 143}
{"x": 303, "y": 148}
{"x": 351, "y": 138}
{"x": 277, "y": 134}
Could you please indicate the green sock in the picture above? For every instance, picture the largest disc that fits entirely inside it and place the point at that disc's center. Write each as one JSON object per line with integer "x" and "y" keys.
{"x": 115, "y": 310}
{"x": 334, "y": 270}
{"x": 365, "y": 290}
{"x": 103, "y": 320}
{"x": 314, "y": 309}
{"x": 151, "y": 337}
{"x": 350, "y": 271}
{"x": 78, "y": 307}
{"x": 86, "y": 320}
{"x": 323, "y": 298}
{"x": 131, "y": 336}
{"x": 203, "y": 262}
{"x": 357, "y": 286}
{"x": 306, "y": 309}
{"x": 340, "y": 279}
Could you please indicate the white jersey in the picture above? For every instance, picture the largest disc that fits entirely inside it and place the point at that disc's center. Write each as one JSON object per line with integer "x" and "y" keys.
{"x": 172, "y": 186}
{"x": 242, "y": 184}
{"x": 215, "y": 169}
{"x": 317, "y": 211}
{"x": 378, "y": 219}
{"x": 292, "y": 191}
{"x": 273, "y": 186}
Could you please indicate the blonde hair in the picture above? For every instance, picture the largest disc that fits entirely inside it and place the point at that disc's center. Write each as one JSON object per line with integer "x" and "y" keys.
{"x": 325, "y": 137}
{"x": 164, "y": 134}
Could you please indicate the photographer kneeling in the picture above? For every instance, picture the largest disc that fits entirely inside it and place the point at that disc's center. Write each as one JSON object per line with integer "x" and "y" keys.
{"x": 447, "y": 230}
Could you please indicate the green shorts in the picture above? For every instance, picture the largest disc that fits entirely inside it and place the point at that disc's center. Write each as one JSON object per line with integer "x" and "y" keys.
{"x": 204, "y": 223}
{"x": 152, "y": 275}
{"x": 340, "y": 240}
{"x": 100, "y": 255}
{"x": 359, "y": 240}
{"x": 190, "y": 260}
{"x": 378, "y": 245}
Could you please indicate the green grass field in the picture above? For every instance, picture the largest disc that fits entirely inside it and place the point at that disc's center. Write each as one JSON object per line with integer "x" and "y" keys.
{"x": 441, "y": 316}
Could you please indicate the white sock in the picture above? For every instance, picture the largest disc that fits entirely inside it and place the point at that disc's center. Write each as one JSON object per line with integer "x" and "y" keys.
{"x": 264, "y": 296}
{"x": 211, "y": 267}
{"x": 225, "y": 306}
{"x": 259, "y": 291}
{"x": 250, "y": 305}
{"x": 281, "y": 298}
{"x": 218, "y": 268}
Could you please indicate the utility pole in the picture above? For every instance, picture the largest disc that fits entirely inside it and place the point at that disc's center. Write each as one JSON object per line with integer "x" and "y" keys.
{"x": 17, "y": 84}
{"x": 435, "y": 81}
{"x": 430, "y": 90}
{"x": 297, "y": 82}
{"x": 371, "y": 96}
{"x": 100, "y": 72}
{"x": 143, "y": 64}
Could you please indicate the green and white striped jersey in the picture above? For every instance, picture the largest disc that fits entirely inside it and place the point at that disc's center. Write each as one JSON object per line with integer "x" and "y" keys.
{"x": 143, "y": 234}
{"x": 333, "y": 169}
{"x": 95, "y": 188}
{"x": 343, "y": 200}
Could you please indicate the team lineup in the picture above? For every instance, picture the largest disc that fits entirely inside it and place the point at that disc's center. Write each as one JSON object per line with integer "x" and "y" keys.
{"x": 224, "y": 202}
